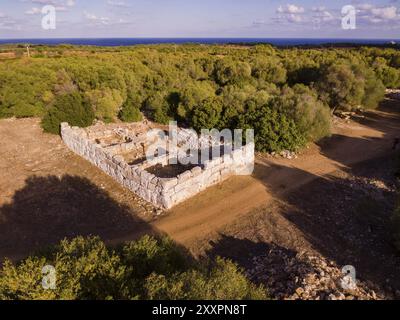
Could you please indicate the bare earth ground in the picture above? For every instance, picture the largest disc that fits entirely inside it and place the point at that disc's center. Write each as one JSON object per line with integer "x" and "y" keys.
{"x": 334, "y": 201}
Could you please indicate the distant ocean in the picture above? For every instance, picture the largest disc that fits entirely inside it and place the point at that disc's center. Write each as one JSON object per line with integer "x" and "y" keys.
{"x": 113, "y": 42}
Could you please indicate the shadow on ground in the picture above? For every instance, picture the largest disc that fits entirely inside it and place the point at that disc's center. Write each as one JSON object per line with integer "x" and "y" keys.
{"x": 48, "y": 209}
{"x": 346, "y": 217}
{"x": 278, "y": 275}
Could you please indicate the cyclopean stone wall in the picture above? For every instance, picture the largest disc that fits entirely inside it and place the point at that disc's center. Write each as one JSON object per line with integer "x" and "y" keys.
{"x": 105, "y": 147}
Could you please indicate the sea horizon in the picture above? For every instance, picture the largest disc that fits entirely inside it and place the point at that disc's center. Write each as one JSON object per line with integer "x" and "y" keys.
{"x": 122, "y": 41}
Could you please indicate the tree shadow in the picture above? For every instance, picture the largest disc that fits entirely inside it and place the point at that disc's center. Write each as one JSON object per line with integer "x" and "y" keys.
{"x": 49, "y": 209}
{"x": 386, "y": 118}
{"x": 275, "y": 270}
{"x": 346, "y": 219}
{"x": 344, "y": 216}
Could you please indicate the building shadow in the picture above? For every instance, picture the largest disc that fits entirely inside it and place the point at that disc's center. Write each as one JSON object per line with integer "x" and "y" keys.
{"x": 49, "y": 209}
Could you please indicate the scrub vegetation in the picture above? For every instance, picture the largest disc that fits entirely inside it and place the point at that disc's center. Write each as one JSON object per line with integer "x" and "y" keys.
{"x": 286, "y": 95}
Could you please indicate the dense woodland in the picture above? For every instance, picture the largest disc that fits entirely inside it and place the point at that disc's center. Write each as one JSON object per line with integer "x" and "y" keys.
{"x": 286, "y": 95}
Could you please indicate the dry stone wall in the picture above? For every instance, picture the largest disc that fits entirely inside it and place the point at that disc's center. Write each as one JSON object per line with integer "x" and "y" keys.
{"x": 161, "y": 192}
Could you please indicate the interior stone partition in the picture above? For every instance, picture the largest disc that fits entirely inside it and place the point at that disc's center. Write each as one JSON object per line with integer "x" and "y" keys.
{"x": 120, "y": 151}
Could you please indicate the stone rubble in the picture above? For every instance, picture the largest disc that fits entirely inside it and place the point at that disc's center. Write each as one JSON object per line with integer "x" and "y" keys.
{"x": 304, "y": 276}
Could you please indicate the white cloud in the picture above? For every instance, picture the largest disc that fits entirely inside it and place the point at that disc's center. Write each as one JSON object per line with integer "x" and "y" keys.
{"x": 322, "y": 14}
{"x": 8, "y": 23}
{"x": 318, "y": 9}
{"x": 387, "y": 13}
{"x": 290, "y": 13}
{"x": 95, "y": 19}
{"x": 33, "y": 11}
{"x": 44, "y": 2}
{"x": 373, "y": 14}
{"x": 36, "y": 10}
{"x": 56, "y": 3}
{"x": 290, "y": 9}
{"x": 117, "y": 3}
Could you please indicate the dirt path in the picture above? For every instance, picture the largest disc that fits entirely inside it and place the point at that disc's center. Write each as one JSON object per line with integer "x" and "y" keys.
{"x": 48, "y": 193}
{"x": 226, "y": 203}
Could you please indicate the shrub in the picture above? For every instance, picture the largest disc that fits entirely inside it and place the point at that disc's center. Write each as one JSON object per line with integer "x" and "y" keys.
{"x": 341, "y": 88}
{"x": 223, "y": 281}
{"x": 149, "y": 268}
{"x": 269, "y": 69}
{"x": 374, "y": 90}
{"x": 85, "y": 269}
{"x": 129, "y": 112}
{"x": 390, "y": 76}
{"x": 227, "y": 71}
{"x": 158, "y": 108}
{"x": 207, "y": 115}
{"x": 273, "y": 131}
{"x": 192, "y": 95}
{"x": 71, "y": 108}
{"x": 106, "y": 103}
{"x": 346, "y": 86}
{"x": 301, "y": 104}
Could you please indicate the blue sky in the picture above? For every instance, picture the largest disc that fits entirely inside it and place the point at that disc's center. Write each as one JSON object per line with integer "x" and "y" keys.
{"x": 199, "y": 18}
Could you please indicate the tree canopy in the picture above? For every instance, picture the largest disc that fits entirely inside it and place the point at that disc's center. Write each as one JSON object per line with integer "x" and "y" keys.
{"x": 199, "y": 86}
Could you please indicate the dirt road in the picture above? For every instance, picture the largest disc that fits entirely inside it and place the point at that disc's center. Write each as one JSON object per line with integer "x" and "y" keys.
{"x": 48, "y": 193}
{"x": 351, "y": 143}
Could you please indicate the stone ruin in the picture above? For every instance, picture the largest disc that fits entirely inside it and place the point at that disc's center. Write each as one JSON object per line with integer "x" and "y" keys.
{"x": 121, "y": 151}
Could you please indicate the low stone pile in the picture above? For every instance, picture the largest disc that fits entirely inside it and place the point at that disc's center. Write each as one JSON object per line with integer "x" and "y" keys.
{"x": 302, "y": 276}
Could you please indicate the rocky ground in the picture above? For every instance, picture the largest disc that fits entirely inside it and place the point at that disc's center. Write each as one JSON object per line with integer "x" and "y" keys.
{"x": 306, "y": 277}
{"x": 300, "y": 245}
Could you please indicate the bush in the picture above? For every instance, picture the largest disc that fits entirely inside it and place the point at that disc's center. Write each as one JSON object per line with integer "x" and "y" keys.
{"x": 227, "y": 71}
{"x": 269, "y": 69}
{"x": 129, "y": 112}
{"x": 341, "y": 88}
{"x": 193, "y": 95}
{"x": 390, "y": 76}
{"x": 374, "y": 90}
{"x": 207, "y": 115}
{"x": 158, "y": 108}
{"x": 106, "y": 103}
{"x": 223, "y": 281}
{"x": 301, "y": 104}
{"x": 71, "y": 108}
{"x": 273, "y": 131}
{"x": 149, "y": 268}
{"x": 347, "y": 86}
